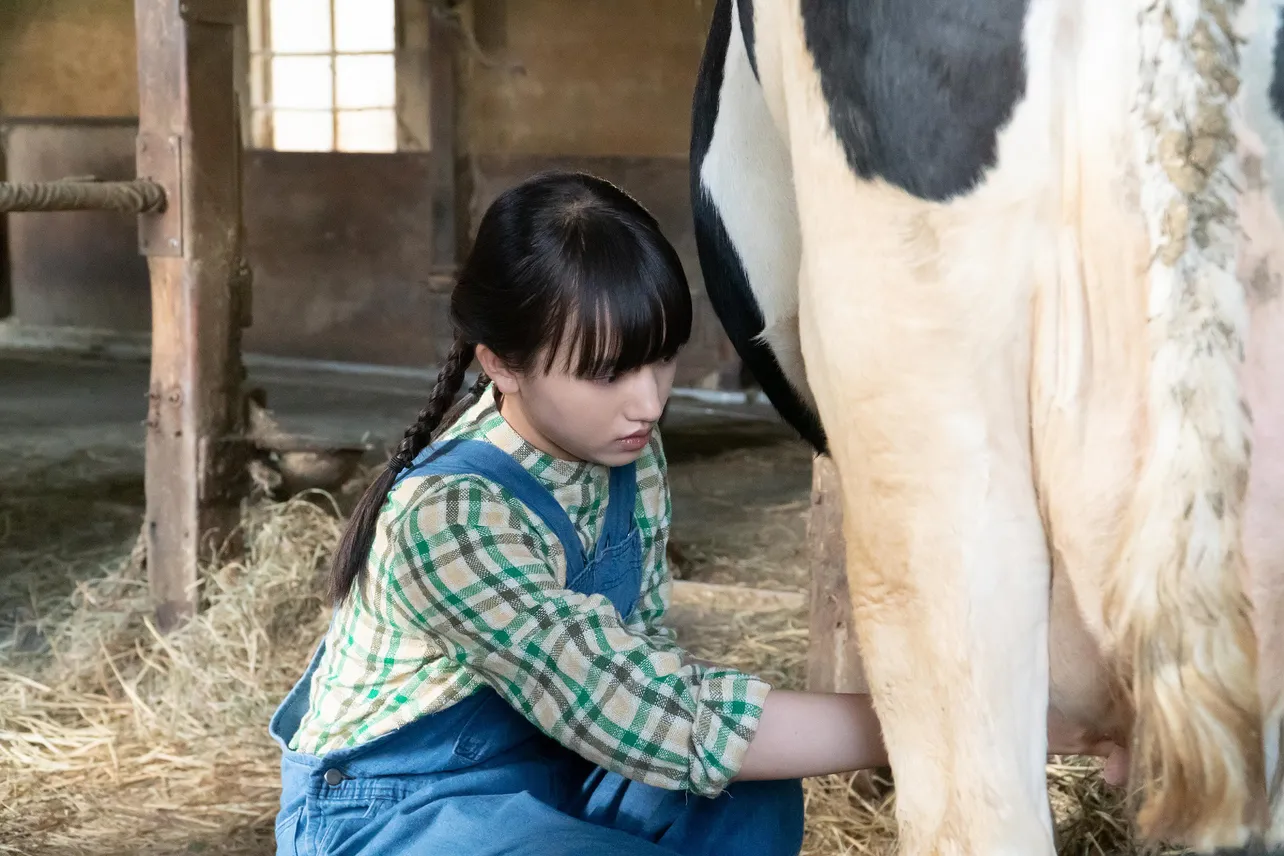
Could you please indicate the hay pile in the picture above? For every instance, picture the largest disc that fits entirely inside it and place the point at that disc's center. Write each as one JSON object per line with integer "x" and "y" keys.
{"x": 114, "y": 740}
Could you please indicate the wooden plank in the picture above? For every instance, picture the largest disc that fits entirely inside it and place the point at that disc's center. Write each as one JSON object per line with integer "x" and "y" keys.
{"x": 449, "y": 172}
{"x": 833, "y": 664}
{"x": 241, "y": 80}
{"x": 414, "y": 76}
{"x": 75, "y": 268}
{"x": 6, "y": 282}
{"x": 195, "y": 476}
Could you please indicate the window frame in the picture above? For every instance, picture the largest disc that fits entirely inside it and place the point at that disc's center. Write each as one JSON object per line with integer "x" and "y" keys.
{"x": 260, "y": 109}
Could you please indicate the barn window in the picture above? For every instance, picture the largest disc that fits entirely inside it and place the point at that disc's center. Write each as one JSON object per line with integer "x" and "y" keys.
{"x": 323, "y": 75}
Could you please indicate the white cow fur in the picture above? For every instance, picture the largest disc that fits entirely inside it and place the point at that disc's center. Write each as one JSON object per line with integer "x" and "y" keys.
{"x": 996, "y": 375}
{"x": 747, "y": 177}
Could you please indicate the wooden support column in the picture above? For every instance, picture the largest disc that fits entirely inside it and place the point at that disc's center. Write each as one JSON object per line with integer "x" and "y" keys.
{"x": 6, "y": 288}
{"x": 414, "y": 75}
{"x": 451, "y": 179}
{"x": 832, "y": 662}
{"x": 189, "y": 142}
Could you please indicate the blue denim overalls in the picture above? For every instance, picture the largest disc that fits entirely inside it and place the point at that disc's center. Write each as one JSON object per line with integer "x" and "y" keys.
{"x": 478, "y": 779}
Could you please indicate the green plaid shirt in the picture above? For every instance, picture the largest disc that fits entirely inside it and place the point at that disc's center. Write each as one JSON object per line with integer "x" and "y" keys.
{"x": 466, "y": 589}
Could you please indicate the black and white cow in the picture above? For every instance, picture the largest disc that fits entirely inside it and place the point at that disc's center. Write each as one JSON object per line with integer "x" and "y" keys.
{"x": 1016, "y": 265}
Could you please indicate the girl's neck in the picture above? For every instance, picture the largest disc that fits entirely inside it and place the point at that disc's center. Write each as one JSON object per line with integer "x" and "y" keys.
{"x": 510, "y": 408}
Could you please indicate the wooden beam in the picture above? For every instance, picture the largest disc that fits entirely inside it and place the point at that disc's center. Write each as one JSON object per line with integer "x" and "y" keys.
{"x": 241, "y": 82}
{"x": 189, "y": 140}
{"x": 833, "y": 664}
{"x": 414, "y": 76}
{"x": 450, "y": 197}
{"x": 6, "y": 287}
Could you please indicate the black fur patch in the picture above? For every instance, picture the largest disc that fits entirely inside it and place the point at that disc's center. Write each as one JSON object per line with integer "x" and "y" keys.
{"x": 1277, "y": 76}
{"x": 918, "y": 89}
{"x": 746, "y": 29}
{"x": 725, "y": 279}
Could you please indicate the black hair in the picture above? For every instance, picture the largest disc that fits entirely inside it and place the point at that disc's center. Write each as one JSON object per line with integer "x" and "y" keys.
{"x": 565, "y": 268}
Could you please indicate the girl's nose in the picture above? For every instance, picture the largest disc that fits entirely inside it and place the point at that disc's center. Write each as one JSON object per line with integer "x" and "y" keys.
{"x": 646, "y": 403}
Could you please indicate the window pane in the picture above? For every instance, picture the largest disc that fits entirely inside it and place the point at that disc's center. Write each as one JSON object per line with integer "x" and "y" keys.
{"x": 368, "y": 131}
{"x": 302, "y": 82}
{"x": 364, "y": 25}
{"x": 367, "y": 81}
{"x": 300, "y": 26}
{"x": 302, "y": 132}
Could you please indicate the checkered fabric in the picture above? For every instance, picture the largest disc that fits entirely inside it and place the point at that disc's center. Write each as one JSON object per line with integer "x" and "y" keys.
{"x": 466, "y": 588}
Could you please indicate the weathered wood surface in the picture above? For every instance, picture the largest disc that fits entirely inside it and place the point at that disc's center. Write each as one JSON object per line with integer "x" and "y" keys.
{"x": 196, "y": 475}
{"x": 450, "y": 166}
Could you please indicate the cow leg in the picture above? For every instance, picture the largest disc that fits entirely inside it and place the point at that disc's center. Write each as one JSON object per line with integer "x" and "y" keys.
{"x": 1261, "y": 268}
{"x": 919, "y": 367}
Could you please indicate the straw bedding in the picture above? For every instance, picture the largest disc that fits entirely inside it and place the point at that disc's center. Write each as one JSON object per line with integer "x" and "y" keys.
{"x": 115, "y": 740}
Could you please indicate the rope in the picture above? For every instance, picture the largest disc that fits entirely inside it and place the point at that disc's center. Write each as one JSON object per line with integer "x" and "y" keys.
{"x": 131, "y": 197}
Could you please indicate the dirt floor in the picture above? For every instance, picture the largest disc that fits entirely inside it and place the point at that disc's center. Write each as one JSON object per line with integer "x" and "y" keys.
{"x": 113, "y": 740}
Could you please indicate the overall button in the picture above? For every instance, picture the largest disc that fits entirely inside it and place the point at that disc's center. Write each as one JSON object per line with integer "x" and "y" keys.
{"x": 333, "y": 777}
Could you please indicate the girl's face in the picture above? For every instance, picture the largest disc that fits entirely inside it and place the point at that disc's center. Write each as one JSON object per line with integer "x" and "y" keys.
{"x": 606, "y": 421}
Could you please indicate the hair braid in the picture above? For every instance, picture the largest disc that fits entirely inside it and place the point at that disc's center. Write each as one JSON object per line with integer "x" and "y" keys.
{"x": 354, "y": 548}
{"x": 449, "y": 380}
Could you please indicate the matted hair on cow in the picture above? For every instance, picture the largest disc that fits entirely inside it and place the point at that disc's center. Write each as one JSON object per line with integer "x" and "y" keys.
{"x": 567, "y": 273}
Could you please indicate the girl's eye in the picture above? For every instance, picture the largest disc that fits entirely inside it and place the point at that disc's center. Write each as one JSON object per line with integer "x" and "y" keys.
{"x": 606, "y": 379}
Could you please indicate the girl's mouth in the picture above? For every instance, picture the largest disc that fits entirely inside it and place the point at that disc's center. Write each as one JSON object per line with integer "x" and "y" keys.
{"x": 633, "y": 442}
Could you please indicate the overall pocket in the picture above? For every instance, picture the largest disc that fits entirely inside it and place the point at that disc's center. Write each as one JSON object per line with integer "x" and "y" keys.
{"x": 616, "y": 573}
{"x": 492, "y": 729}
{"x": 339, "y": 818}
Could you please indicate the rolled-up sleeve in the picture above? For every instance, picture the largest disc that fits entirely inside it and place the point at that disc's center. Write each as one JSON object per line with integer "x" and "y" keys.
{"x": 469, "y": 571}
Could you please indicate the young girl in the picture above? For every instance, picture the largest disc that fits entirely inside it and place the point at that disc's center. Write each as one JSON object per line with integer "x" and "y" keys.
{"x": 498, "y": 677}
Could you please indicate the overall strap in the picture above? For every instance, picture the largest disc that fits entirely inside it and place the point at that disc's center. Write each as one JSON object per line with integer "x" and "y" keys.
{"x": 477, "y": 457}
{"x": 619, "y": 509}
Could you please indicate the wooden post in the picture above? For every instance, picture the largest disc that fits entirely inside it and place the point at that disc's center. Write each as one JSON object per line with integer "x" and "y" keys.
{"x": 414, "y": 75}
{"x": 189, "y": 142}
{"x": 451, "y": 190}
{"x": 833, "y": 659}
{"x": 6, "y": 289}
{"x": 832, "y": 662}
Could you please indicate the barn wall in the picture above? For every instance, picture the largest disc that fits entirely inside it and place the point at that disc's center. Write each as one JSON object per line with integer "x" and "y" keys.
{"x": 68, "y": 58}
{"x": 75, "y": 268}
{"x": 603, "y": 87}
{"x": 660, "y": 184}
{"x": 340, "y": 243}
{"x": 63, "y": 58}
{"x": 566, "y": 77}
{"x": 341, "y": 248}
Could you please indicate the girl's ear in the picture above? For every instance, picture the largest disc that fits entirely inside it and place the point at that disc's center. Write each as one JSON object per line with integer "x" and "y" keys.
{"x": 503, "y": 379}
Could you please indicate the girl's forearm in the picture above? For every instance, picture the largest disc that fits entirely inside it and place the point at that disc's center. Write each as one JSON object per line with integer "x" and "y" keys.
{"x": 805, "y": 734}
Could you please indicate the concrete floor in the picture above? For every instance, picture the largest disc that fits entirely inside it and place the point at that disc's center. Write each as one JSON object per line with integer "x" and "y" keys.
{"x": 57, "y": 395}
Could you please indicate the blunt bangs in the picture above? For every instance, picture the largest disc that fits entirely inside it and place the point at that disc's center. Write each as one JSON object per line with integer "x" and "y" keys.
{"x": 624, "y": 304}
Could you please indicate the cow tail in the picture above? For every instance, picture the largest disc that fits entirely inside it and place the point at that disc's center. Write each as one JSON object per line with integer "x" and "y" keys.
{"x": 1176, "y": 608}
